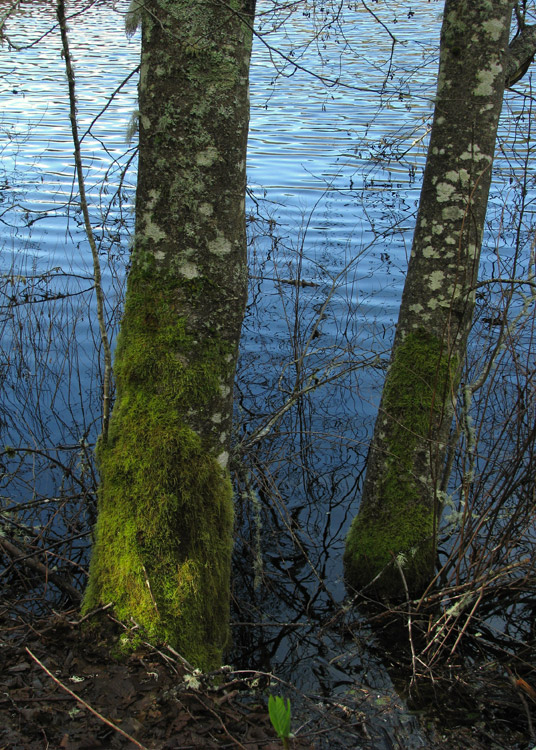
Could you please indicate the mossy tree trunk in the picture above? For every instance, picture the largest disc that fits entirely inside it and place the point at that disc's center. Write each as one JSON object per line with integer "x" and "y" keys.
{"x": 164, "y": 532}
{"x": 400, "y": 505}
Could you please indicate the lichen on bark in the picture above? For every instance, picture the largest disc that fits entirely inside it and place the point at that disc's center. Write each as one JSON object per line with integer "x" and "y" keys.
{"x": 399, "y": 511}
{"x": 164, "y": 532}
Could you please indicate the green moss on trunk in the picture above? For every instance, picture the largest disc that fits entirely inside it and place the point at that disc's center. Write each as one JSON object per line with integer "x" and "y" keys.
{"x": 399, "y": 517}
{"x": 164, "y": 532}
{"x": 398, "y": 514}
{"x": 163, "y": 537}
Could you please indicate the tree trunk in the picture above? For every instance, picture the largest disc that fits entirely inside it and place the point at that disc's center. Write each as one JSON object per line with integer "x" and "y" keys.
{"x": 396, "y": 527}
{"x": 164, "y": 532}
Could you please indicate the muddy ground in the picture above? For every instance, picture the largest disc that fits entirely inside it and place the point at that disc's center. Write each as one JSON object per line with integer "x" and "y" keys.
{"x": 76, "y": 685}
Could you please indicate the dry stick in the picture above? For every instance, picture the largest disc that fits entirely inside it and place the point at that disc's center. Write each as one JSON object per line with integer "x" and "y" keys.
{"x": 410, "y": 630}
{"x": 103, "y": 608}
{"x": 60, "y": 12}
{"x": 84, "y": 704}
{"x": 468, "y": 620}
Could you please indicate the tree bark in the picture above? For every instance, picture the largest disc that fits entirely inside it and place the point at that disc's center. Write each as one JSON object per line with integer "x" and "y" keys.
{"x": 164, "y": 533}
{"x": 521, "y": 53}
{"x": 401, "y": 502}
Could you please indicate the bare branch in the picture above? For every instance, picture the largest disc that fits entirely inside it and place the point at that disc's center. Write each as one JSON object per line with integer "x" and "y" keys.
{"x": 521, "y": 53}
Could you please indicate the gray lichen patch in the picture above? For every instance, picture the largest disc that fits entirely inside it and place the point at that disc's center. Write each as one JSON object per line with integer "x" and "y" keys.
{"x": 416, "y": 308}
{"x": 207, "y": 157}
{"x": 152, "y": 230}
{"x": 223, "y": 459}
{"x": 451, "y": 213}
{"x": 487, "y": 78}
{"x": 206, "y": 209}
{"x": 220, "y": 246}
{"x": 445, "y": 191}
{"x": 436, "y": 280}
{"x": 474, "y": 153}
{"x": 460, "y": 176}
{"x": 494, "y": 27}
{"x": 437, "y": 303}
{"x": 189, "y": 270}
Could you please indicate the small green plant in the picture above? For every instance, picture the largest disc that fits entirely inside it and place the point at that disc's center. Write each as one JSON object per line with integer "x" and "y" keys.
{"x": 280, "y": 718}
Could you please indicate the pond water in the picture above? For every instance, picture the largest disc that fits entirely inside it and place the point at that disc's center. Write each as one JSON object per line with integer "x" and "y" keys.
{"x": 341, "y": 101}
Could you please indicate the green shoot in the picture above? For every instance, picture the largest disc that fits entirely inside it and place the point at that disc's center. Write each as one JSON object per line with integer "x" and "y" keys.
{"x": 280, "y": 718}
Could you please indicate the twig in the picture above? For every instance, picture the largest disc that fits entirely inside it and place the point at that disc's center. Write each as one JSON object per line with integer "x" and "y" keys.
{"x": 84, "y": 704}
{"x": 106, "y": 402}
{"x": 150, "y": 590}
{"x": 468, "y": 620}
{"x": 410, "y": 629}
{"x": 29, "y": 561}
{"x": 103, "y": 608}
{"x": 185, "y": 663}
